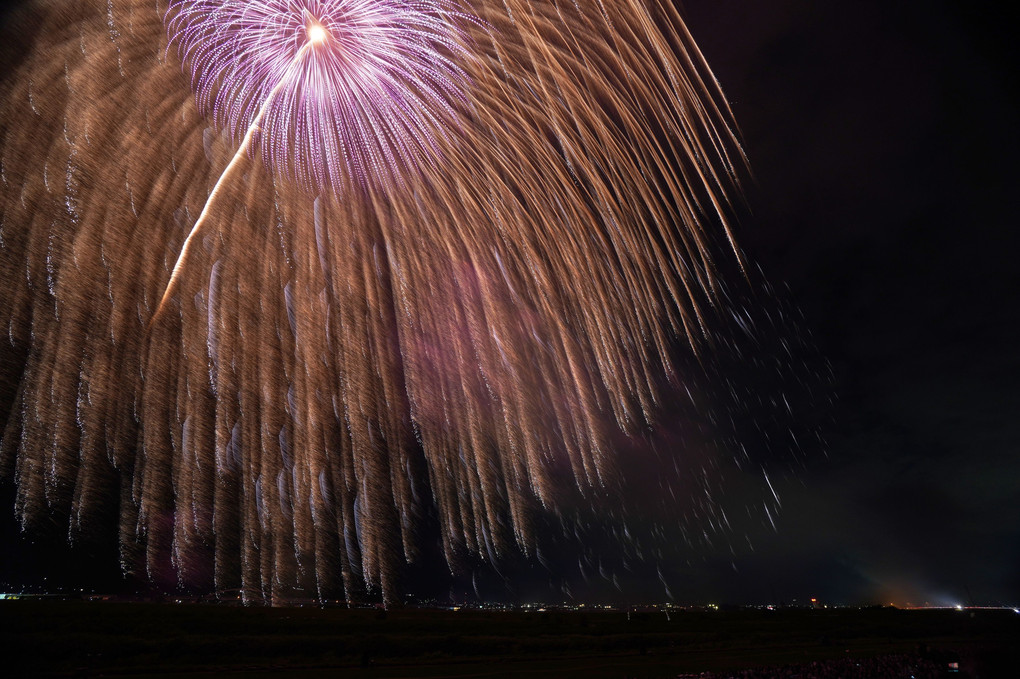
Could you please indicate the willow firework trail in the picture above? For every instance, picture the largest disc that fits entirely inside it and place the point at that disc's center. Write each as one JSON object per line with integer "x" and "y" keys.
{"x": 455, "y": 271}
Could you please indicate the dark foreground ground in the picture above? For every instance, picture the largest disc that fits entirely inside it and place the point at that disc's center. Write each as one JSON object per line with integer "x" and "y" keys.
{"x": 63, "y": 638}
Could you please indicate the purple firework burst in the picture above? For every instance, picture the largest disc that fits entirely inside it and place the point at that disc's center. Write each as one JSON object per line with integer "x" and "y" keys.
{"x": 337, "y": 92}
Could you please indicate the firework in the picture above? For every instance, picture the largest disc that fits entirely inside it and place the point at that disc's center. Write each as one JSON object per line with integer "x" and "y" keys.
{"x": 338, "y": 92}
{"x": 412, "y": 257}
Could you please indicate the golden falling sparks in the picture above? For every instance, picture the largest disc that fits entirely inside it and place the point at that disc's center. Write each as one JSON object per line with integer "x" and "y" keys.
{"x": 327, "y": 367}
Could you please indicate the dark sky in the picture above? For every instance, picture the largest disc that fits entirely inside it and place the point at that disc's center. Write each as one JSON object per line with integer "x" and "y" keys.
{"x": 882, "y": 138}
{"x": 883, "y": 141}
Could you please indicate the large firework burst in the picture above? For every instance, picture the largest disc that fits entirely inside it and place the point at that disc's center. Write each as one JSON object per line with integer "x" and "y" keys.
{"x": 445, "y": 252}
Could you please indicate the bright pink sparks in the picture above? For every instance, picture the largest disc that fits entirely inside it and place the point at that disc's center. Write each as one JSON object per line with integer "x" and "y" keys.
{"x": 353, "y": 91}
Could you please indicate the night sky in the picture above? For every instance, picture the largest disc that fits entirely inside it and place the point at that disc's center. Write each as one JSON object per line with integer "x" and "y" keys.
{"x": 883, "y": 146}
{"x": 883, "y": 142}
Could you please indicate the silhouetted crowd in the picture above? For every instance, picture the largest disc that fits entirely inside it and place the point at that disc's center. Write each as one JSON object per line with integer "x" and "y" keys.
{"x": 905, "y": 666}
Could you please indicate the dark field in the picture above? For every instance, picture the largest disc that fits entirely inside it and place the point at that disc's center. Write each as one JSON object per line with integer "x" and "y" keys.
{"x": 66, "y": 638}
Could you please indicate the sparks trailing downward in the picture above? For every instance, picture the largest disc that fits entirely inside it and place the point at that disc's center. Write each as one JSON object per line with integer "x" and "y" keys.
{"x": 448, "y": 254}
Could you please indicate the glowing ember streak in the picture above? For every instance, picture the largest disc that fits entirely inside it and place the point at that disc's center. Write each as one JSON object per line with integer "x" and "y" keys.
{"x": 316, "y": 35}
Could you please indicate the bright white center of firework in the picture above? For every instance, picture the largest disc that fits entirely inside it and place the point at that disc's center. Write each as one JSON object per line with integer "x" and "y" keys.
{"x": 316, "y": 34}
